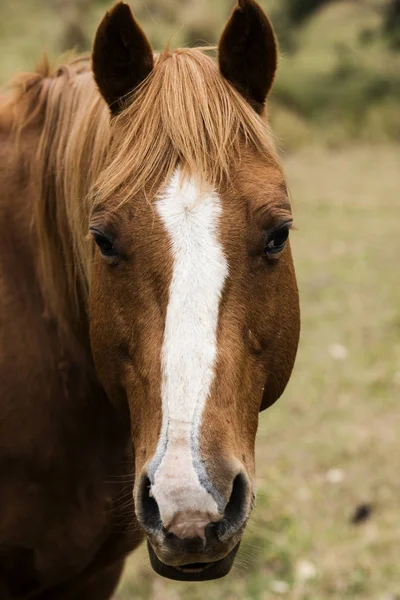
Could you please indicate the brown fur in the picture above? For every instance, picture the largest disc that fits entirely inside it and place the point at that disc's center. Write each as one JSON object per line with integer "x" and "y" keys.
{"x": 66, "y": 463}
{"x": 77, "y": 162}
{"x": 65, "y": 460}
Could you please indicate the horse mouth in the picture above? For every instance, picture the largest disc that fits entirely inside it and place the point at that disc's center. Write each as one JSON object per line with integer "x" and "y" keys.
{"x": 193, "y": 571}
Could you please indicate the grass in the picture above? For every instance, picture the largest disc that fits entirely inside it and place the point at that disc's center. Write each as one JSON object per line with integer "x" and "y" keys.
{"x": 332, "y": 441}
{"x": 342, "y": 83}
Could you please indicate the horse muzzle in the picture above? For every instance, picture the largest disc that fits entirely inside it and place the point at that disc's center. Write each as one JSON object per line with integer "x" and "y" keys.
{"x": 193, "y": 571}
{"x": 195, "y": 545}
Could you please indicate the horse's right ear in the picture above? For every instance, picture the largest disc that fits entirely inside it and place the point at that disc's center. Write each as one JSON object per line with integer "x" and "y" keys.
{"x": 122, "y": 56}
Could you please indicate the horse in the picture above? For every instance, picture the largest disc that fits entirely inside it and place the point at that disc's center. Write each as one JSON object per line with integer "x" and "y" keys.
{"x": 149, "y": 306}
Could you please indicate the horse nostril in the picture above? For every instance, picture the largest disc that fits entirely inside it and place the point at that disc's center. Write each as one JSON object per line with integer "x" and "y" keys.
{"x": 148, "y": 511}
{"x": 236, "y": 510}
{"x": 190, "y": 545}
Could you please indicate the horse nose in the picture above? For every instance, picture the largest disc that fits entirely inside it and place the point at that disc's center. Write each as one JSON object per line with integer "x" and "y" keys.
{"x": 173, "y": 517}
{"x": 189, "y": 526}
{"x": 237, "y": 509}
{"x": 193, "y": 530}
{"x": 147, "y": 509}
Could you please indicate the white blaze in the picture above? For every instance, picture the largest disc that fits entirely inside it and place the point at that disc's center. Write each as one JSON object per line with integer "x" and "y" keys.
{"x": 189, "y": 347}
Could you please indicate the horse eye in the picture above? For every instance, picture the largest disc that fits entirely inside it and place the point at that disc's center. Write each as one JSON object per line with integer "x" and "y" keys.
{"x": 276, "y": 240}
{"x": 105, "y": 246}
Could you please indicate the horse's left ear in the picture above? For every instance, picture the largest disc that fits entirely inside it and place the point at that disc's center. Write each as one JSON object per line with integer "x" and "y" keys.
{"x": 248, "y": 52}
{"x": 122, "y": 56}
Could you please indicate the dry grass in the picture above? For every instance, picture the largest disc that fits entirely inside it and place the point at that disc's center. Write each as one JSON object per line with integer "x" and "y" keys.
{"x": 332, "y": 442}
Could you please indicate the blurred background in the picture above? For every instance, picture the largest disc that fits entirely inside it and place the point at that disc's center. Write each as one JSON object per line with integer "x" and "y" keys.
{"x": 327, "y": 522}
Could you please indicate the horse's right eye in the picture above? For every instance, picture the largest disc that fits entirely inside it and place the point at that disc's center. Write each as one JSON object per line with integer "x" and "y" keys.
{"x": 104, "y": 244}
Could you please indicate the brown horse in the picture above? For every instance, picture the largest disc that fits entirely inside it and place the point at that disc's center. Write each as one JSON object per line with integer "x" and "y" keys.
{"x": 149, "y": 307}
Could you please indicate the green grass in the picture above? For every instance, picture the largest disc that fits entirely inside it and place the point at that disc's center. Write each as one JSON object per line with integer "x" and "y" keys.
{"x": 343, "y": 83}
{"x": 332, "y": 442}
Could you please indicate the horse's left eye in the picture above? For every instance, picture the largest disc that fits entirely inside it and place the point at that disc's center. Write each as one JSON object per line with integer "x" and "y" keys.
{"x": 105, "y": 246}
{"x": 276, "y": 240}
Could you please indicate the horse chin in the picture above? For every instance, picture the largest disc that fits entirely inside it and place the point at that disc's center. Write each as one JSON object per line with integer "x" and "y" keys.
{"x": 194, "y": 571}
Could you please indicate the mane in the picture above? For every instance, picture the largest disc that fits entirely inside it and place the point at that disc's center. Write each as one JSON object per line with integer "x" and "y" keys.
{"x": 184, "y": 113}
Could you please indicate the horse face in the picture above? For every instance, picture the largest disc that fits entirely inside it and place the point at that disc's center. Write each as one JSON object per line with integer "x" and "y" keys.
{"x": 194, "y": 325}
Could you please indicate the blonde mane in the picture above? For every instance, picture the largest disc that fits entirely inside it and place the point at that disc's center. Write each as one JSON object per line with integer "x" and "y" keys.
{"x": 184, "y": 113}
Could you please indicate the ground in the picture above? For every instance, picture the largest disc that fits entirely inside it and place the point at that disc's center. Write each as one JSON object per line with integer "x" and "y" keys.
{"x": 331, "y": 444}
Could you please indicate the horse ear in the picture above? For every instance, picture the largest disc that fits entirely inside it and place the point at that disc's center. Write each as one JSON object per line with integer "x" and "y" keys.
{"x": 248, "y": 52}
{"x": 122, "y": 56}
